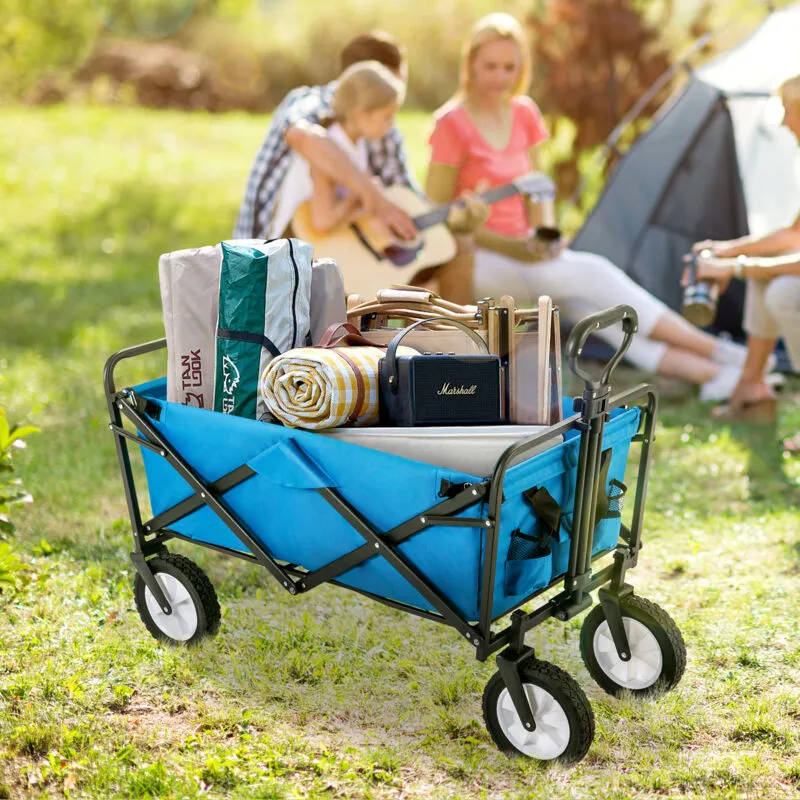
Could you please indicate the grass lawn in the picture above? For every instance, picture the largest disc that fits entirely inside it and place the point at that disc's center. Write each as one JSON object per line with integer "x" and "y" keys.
{"x": 327, "y": 695}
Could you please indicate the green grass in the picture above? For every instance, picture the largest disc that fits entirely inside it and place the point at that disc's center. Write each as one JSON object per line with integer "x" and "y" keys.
{"x": 326, "y": 695}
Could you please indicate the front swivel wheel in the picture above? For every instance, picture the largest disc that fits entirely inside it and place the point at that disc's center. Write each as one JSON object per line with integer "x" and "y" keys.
{"x": 564, "y": 719}
{"x": 657, "y": 650}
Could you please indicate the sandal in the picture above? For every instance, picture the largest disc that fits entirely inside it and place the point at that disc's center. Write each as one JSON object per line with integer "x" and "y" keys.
{"x": 764, "y": 410}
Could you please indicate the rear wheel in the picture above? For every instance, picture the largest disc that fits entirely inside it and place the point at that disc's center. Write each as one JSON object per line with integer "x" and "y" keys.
{"x": 563, "y": 716}
{"x": 195, "y": 608}
{"x": 658, "y": 652}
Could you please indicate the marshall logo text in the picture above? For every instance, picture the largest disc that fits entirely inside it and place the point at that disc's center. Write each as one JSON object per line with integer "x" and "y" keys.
{"x": 448, "y": 389}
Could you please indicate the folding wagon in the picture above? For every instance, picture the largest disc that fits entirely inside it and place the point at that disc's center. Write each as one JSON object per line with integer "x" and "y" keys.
{"x": 465, "y": 550}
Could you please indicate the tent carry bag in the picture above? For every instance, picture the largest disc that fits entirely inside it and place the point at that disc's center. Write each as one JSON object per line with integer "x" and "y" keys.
{"x": 190, "y": 288}
{"x": 264, "y": 310}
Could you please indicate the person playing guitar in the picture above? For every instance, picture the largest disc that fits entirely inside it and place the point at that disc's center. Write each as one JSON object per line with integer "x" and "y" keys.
{"x": 295, "y": 129}
{"x": 365, "y": 100}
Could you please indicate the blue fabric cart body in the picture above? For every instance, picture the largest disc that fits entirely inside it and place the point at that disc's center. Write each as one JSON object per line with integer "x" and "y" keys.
{"x": 295, "y": 524}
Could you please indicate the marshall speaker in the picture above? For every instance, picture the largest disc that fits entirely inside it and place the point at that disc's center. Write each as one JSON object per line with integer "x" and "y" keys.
{"x": 438, "y": 389}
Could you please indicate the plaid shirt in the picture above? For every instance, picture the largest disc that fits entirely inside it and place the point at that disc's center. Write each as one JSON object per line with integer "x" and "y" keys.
{"x": 387, "y": 158}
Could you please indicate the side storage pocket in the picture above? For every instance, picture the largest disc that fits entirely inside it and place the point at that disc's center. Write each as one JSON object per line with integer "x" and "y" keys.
{"x": 529, "y": 564}
{"x": 606, "y": 533}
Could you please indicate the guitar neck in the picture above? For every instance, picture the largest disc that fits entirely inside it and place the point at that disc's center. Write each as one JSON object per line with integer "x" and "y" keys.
{"x": 439, "y": 214}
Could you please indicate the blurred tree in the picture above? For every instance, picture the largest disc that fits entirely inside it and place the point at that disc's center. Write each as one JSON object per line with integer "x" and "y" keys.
{"x": 39, "y": 38}
{"x": 146, "y": 19}
{"x": 594, "y": 59}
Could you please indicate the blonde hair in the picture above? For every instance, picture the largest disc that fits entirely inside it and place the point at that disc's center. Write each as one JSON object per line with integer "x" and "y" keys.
{"x": 494, "y": 27}
{"x": 366, "y": 86}
{"x": 789, "y": 93}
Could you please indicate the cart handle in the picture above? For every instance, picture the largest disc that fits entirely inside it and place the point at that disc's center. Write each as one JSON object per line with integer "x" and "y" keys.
{"x": 588, "y": 325}
{"x": 121, "y": 355}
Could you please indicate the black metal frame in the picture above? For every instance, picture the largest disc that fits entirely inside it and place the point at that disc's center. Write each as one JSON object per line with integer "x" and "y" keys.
{"x": 150, "y": 536}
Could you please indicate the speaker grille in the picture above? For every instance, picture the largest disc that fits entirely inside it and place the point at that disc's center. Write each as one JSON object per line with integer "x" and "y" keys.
{"x": 453, "y": 390}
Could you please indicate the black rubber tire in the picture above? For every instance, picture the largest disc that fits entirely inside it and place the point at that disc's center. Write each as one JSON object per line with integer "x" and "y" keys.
{"x": 200, "y": 590}
{"x": 660, "y": 624}
{"x": 567, "y": 694}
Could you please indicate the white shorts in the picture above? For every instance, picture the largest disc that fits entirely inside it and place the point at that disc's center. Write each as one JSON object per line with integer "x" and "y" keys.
{"x": 579, "y": 284}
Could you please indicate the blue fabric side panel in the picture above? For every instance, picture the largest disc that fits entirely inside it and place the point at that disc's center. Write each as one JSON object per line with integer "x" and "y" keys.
{"x": 297, "y": 524}
{"x": 449, "y": 557}
{"x": 556, "y": 471}
{"x": 607, "y": 532}
{"x": 550, "y": 471}
{"x": 167, "y": 488}
{"x": 155, "y": 390}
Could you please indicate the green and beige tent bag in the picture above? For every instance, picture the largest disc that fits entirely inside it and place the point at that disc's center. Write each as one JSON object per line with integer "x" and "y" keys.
{"x": 189, "y": 281}
{"x": 264, "y": 310}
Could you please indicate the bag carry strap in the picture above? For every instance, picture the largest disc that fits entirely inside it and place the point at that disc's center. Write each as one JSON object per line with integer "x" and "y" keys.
{"x": 251, "y": 338}
{"x": 507, "y": 301}
{"x": 353, "y": 337}
{"x": 360, "y": 388}
{"x": 556, "y": 412}
{"x": 405, "y": 303}
{"x": 412, "y": 309}
{"x": 402, "y": 293}
{"x": 391, "y": 352}
{"x": 546, "y": 508}
{"x": 396, "y": 294}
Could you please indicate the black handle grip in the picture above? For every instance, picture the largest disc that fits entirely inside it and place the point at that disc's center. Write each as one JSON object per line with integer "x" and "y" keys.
{"x": 391, "y": 359}
{"x": 593, "y": 323}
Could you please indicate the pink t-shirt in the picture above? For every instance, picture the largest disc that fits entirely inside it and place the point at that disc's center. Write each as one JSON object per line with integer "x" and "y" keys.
{"x": 456, "y": 141}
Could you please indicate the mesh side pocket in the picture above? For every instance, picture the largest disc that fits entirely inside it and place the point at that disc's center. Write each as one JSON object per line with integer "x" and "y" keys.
{"x": 528, "y": 565}
{"x": 525, "y": 546}
{"x": 616, "y": 497}
{"x": 606, "y": 532}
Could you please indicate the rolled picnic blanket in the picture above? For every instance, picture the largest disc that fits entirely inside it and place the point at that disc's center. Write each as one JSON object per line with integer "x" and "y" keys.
{"x": 325, "y": 387}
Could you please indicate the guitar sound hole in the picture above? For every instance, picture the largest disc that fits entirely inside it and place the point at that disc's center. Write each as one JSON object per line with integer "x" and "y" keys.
{"x": 401, "y": 255}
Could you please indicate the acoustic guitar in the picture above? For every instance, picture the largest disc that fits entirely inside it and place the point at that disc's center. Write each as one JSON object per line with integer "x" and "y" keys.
{"x": 371, "y": 258}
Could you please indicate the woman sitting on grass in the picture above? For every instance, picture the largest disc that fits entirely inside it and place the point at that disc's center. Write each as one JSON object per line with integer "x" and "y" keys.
{"x": 365, "y": 101}
{"x": 488, "y": 135}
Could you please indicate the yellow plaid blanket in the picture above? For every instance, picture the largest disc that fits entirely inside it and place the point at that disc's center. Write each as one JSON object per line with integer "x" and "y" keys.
{"x": 315, "y": 387}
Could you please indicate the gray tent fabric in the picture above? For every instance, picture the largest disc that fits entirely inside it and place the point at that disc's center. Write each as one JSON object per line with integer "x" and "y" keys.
{"x": 715, "y": 164}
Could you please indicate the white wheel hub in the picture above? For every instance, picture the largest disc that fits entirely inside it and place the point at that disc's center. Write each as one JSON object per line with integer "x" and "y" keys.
{"x": 181, "y": 624}
{"x": 646, "y": 662}
{"x": 551, "y": 737}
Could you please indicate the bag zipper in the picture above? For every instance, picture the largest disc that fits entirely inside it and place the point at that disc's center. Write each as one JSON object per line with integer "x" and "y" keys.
{"x": 294, "y": 295}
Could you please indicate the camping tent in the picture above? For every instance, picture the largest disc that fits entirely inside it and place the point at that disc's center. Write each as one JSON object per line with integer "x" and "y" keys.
{"x": 714, "y": 164}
